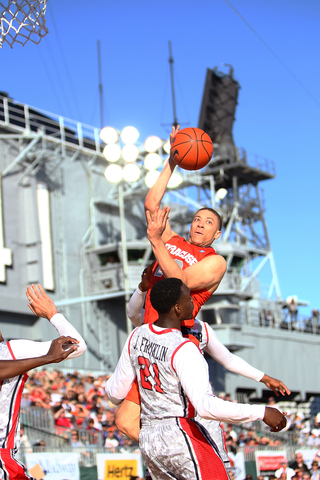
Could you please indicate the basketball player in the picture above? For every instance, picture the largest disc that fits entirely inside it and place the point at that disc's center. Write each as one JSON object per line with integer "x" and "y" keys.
{"x": 11, "y": 389}
{"x": 208, "y": 342}
{"x": 194, "y": 261}
{"x": 174, "y": 383}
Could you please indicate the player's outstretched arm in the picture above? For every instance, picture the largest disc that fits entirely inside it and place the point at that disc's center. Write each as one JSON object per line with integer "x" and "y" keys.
{"x": 57, "y": 353}
{"x": 193, "y": 374}
{"x": 236, "y": 364}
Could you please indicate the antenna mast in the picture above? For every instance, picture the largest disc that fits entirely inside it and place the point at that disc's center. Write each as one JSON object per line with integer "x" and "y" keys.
{"x": 171, "y": 61}
{"x": 100, "y": 85}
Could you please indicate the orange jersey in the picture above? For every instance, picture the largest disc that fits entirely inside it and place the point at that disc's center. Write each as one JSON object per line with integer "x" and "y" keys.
{"x": 185, "y": 255}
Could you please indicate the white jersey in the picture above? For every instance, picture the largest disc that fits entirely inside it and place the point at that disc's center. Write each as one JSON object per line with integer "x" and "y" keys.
{"x": 152, "y": 354}
{"x": 208, "y": 340}
{"x": 11, "y": 389}
{"x": 159, "y": 358}
{"x": 10, "y": 399}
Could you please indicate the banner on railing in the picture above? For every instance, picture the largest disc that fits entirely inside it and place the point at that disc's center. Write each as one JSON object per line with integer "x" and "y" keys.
{"x": 269, "y": 460}
{"x": 55, "y": 466}
{"x": 119, "y": 466}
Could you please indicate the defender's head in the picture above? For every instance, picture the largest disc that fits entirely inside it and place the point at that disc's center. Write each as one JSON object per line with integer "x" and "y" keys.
{"x": 172, "y": 294}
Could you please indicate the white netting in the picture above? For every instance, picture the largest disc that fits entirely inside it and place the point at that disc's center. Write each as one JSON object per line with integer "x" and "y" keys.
{"x": 22, "y": 20}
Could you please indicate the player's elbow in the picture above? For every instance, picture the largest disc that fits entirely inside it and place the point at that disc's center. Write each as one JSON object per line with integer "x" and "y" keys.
{"x": 82, "y": 347}
{"x": 135, "y": 319}
{"x": 150, "y": 203}
{"x": 203, "y": 412}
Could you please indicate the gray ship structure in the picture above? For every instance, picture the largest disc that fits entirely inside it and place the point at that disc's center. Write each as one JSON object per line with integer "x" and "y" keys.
{"x": 62, "y": 224}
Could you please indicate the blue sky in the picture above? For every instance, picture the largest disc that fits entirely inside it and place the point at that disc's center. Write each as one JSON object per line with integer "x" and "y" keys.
{"x": 276, "y": 62}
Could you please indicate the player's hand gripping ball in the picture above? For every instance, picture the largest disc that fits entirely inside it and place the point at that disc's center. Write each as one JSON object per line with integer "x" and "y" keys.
{"x": 191, "y": 148}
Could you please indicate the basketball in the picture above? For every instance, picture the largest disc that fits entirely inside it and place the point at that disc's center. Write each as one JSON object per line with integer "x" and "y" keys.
{"x": 191, "y": 148}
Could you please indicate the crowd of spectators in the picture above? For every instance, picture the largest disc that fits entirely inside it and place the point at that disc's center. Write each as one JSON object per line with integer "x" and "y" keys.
{"x": 80, "y": 407}
{"x": 303, "y": 431}
{"x": 83, "y": 413}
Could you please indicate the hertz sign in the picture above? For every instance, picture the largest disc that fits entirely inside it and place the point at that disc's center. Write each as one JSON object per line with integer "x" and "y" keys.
{"x": 119, "y": 466}
{"x": 120, "y": 469}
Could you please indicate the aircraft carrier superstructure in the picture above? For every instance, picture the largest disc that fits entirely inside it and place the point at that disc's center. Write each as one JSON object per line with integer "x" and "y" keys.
{"x": 62, "y": 224}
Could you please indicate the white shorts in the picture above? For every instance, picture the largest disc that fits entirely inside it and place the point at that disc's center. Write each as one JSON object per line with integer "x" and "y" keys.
{"x": 180, "y": 449}
{"x": 216, "y": 433}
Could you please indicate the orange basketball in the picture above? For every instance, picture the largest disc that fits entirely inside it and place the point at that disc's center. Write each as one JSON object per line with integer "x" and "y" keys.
{"x": 191, "y": 148}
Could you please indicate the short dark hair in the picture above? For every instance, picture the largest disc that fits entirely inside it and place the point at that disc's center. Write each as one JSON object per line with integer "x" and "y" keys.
{"x": 214, "y": 212}
{"x": 165, "y": 294}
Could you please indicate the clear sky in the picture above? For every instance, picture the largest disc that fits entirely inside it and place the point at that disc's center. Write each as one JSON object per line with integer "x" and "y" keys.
{"x": 273, "y": 46}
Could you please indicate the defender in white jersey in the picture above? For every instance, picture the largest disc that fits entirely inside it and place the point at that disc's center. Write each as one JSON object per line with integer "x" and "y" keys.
{"x": 173, "y": 384}
{"x": 11, "y": 388}
{"x": 203, "y": 335}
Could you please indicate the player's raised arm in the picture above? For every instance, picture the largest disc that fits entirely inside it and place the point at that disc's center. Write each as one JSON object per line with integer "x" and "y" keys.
{"x": 155, "y": 195}
{"x": 43, "y": 306}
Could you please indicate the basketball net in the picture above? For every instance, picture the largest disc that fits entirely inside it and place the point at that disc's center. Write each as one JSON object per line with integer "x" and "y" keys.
{"x": 22, "y": 20}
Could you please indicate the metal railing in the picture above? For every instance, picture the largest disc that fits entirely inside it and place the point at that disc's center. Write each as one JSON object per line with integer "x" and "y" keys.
{"x": 23, "y": 118}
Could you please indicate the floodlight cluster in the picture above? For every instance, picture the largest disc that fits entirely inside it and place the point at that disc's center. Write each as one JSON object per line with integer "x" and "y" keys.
{"x": 128, "y": 161}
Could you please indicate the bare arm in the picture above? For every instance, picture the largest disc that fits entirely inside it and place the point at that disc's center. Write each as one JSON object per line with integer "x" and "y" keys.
{"x": 206, "y": 274}
{"x": 155, "y": 195}
{"x": 56, "y": 353}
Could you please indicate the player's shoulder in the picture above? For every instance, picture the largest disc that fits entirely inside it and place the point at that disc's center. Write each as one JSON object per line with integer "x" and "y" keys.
{"x": 217, "y": 260}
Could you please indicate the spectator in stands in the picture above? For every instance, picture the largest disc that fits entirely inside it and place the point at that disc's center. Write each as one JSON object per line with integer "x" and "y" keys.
{"x": 284, "y": 469}
{"x": 292, "y": 312}
{"x": 314, "y": 471}
{"x": 270, "y": 319}
{"x": 93, "y": 431}
{"x": 111, "y": 443}
{"x": 231, "y": 444}
{"x": 25, "y": 400}
{"x": 25, "y": 444}
{"x": 271, "y": 401}
{"x": 314, "y": 438}
{"x": 312, "y": 324}
{"x": 99, "y": 418}
{"x": 62, "y": 421}
{"x": 265, "y": 441}
{"x": 305, "y": 476}
{"x": 299, "y": 463}
{"x": 75, "y": 440}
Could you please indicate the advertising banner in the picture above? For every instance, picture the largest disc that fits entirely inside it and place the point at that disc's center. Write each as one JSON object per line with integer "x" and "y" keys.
{"x": 269, "y": 460}
{"x": 119, "y": 466}
{"x": 55, "y": 465}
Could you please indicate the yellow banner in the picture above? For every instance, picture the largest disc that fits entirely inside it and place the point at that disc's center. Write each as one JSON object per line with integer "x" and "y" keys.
{"x": 120, "y": 469}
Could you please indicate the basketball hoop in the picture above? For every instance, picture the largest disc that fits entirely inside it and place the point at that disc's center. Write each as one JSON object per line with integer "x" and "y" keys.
{"x": 23, "y": 20}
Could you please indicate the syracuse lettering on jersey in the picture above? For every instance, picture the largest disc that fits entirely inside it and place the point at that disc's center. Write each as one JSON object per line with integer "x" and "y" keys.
{"x": 177, "y": 252}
